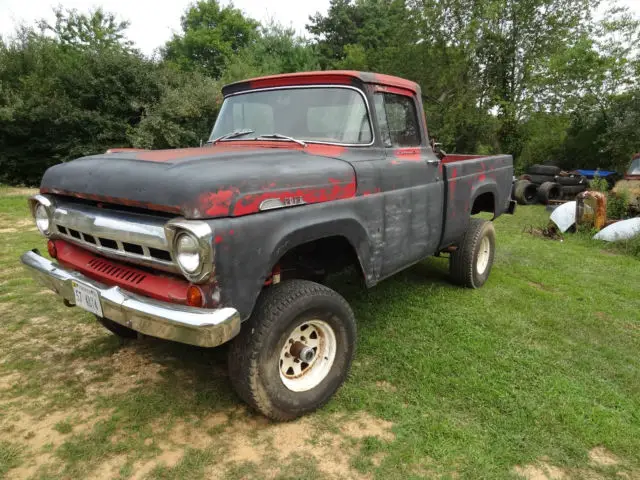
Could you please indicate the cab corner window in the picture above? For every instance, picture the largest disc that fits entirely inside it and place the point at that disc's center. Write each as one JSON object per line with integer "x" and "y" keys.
{"x": 398, "y": 120}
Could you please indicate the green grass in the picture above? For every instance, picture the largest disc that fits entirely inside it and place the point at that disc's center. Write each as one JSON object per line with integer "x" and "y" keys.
{"x": 9, "y": 457}
{"x": 543, "y": 362}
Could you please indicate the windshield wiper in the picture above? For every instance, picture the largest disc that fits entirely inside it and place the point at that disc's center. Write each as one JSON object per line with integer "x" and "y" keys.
{"x": 283, "y": 137}
{"x": 234, "y": 134}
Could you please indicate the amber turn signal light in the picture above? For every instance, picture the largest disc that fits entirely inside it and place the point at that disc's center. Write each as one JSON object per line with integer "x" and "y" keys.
{"x": 51, "y": 248}
{"x": 195, "y": 298}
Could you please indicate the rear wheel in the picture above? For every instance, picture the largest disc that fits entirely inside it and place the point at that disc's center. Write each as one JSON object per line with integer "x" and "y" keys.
{"x": 295, "y": 351}
{"x": 117, "y": 329}
{"x": 470, "y": 265}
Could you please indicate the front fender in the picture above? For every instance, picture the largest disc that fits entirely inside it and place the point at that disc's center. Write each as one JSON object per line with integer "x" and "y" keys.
{"x": 247, "y": 248}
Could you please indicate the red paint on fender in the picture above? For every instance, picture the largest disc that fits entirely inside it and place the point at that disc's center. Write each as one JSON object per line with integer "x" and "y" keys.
{"x": 337, "y": 190}
{"x": 217, "y": 204}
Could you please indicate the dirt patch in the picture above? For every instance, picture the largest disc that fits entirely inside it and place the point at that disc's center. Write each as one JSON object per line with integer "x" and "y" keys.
{"x": 109, "y": 469}
{"x": 8, "y": 230}
{"x": 132, "y": 369}
{"x": 11, "y": 191}
{"x": 538, "y": 286}
{"x": 185, "y": 435}
{"x": 540, "y": 471}
{"x": 386, "y": 386}
{"x": 364, "y": 425}
{"x": 29, "y": 469}
{"x": 38, "y": 432}
{"x": 599, "y": 457}
{"x": 549, "y": 232}
{"x": 378, "y": 458}
{"x": 258, "y": 441}
{"x": 602, "y": 457}
{"x": 8, "y": 381}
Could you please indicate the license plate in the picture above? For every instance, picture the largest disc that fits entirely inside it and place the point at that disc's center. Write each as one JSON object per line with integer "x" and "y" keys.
{"x": 87, "y": 298}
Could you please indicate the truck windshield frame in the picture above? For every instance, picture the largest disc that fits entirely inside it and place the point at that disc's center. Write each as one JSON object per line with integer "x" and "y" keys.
{"x": 322, "y": 114}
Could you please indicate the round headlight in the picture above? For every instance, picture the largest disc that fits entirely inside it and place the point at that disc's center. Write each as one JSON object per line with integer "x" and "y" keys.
{"x": 188, "y": 253}
{"x": 42, "y": 219}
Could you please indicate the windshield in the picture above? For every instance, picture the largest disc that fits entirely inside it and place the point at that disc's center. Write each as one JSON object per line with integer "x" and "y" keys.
{"x": 312, "y": 114}
{"x": 634, "y": 169}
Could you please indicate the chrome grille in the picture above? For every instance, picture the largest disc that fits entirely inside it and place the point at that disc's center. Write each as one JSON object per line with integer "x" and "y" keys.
{"x": 131, "y": 237}
{"x": 109, "y": 244}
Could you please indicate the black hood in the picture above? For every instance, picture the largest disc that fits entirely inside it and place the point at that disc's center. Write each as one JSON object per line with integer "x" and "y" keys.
{"x": 207, "y": 182}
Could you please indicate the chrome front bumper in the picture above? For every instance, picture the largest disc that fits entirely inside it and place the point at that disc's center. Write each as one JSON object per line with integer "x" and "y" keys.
{"x": 180, "y": 323}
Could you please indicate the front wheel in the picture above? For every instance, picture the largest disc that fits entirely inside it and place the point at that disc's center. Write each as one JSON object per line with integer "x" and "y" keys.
{"x": 470, "y": 264}
{"x": 295, "y": 351}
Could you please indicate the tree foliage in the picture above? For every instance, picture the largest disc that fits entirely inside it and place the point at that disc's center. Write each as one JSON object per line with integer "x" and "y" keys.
{"x": 211, "y": 36}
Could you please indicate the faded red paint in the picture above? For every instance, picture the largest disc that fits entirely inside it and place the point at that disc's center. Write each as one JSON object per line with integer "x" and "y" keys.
{"x": 161, "y": 287}
{"x": 245, "y": 145}
{"x": 121, "y": 150}
{"x": 396, "y": 90}
{"x": 218, "y": 239}
{"x": 411, "y": 154}
{"x": 112, "y": 200}
{"x": 306, "y": 78}
{"x": 217, "y": 204}
{"x": 340, "y": 77}
{"x": 391, "y": 81}
{"x": 338, "y": 190}
{"x": 482, "y": 177}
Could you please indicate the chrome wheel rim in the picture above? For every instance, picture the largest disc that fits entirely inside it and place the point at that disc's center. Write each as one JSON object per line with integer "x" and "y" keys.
{"x": 483, "y": 255}
{"x": 307, "y": 355}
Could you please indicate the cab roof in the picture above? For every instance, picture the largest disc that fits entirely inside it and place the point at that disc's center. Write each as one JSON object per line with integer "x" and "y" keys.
{"x": 328, "y": 77}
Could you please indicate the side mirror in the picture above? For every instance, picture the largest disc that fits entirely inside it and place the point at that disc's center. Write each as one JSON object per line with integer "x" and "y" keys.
{"x": 437, "y": 149}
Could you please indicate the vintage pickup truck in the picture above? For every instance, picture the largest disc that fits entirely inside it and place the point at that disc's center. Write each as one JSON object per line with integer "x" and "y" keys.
{"x": 304, "y": 175}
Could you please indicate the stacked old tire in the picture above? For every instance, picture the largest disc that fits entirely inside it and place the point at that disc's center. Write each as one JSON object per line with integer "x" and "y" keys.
{"x": 547, "y": 183}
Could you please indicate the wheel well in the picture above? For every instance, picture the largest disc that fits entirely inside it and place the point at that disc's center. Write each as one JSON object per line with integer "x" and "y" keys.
{"x": 484, "y": 203}
{"x": 315, "y": 259}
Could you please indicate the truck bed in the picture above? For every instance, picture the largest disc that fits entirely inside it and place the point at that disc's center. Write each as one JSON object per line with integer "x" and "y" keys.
{"x": 466, "y": 179}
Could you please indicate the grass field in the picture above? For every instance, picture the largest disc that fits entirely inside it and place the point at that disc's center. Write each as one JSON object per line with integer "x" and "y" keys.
{"x": 536, "y": 375}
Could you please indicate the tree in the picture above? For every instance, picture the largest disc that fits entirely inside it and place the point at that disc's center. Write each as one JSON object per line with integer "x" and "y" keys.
{"x": 182, "y": 116}
{"x": 62, "y": 99}
{"x": 210, "y": 37}
{"x": 275, "y": 49}
{"x": 98, "y": 30}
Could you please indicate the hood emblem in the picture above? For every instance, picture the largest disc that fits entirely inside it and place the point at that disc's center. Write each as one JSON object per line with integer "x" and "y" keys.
{"x": 273, "y": 203}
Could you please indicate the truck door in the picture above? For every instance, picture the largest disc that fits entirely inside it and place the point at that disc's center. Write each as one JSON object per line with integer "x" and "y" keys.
{"x": 411, "y": 179}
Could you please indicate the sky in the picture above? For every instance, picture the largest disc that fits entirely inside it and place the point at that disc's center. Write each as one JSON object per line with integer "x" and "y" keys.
{"x": 153, "y": 21}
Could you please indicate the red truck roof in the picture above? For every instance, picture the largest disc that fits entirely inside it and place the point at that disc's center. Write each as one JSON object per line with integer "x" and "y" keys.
{"x": 339, "y": 77}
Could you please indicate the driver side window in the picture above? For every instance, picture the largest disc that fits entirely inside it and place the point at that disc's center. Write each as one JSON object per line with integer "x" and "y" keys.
{"x": 398, "y": 120}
